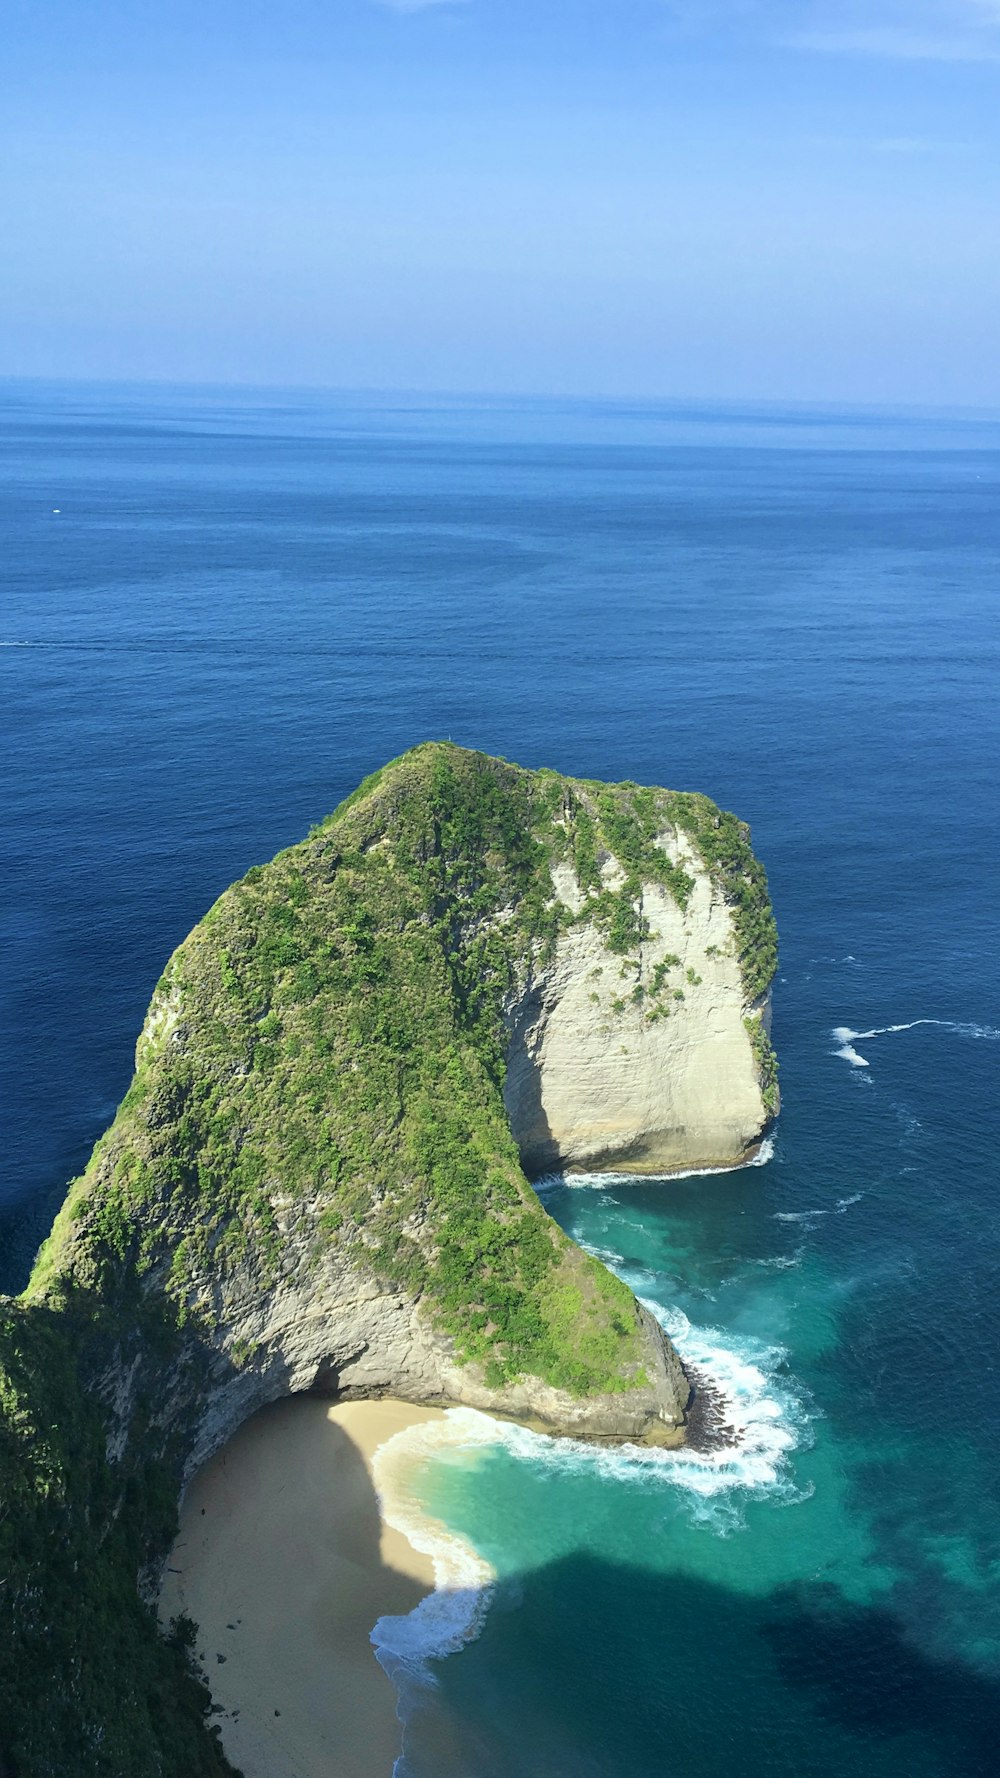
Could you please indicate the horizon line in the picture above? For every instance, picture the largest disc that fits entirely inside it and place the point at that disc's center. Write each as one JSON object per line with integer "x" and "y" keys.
{"x": 780, "y": 403}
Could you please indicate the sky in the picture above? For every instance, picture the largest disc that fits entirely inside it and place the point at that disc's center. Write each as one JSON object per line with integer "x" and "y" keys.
{"x": 756, "y": 199}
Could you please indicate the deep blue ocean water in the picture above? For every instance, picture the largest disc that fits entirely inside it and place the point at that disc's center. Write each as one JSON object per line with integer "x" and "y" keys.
{"x": 243, "y": 603}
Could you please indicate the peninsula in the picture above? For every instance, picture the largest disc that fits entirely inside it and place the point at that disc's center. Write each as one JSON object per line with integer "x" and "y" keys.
{"x": 319, "y": 1180}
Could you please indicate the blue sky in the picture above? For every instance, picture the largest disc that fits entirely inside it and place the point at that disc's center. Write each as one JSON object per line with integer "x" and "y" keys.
{"x": 783, "y": 199}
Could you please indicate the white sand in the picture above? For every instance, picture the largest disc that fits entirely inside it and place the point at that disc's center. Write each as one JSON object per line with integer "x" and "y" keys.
{"x": 283, "y": 1562}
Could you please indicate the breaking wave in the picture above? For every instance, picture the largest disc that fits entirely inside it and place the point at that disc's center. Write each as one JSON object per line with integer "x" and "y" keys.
{"x": 576, "y": 1181}
{"x": 761, "y": 1422}
{"x": 452, "y": 1614}
{"x": 762, "y": 1418}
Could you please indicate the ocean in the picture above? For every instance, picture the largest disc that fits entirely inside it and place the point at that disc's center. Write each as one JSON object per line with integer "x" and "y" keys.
{"x": 221, "y": 609}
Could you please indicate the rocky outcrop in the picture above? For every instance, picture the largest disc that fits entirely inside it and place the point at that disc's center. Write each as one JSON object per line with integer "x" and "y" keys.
{"x": 331, "y": 1328}
{"x": 311, "y": 1178}
{"x": 316, "y": 1180}
{"x": 644, "y": 1064}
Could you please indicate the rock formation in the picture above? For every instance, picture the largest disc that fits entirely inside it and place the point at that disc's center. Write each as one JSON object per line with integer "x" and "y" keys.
{"x": 592, "y": 1080}
{"x": 317, "y": 1177}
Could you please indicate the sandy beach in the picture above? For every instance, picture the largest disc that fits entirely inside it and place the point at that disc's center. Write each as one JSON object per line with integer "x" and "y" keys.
{"x": 284, "y": 1563}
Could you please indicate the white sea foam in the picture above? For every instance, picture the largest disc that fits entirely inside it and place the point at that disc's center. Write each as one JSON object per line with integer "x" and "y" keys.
{"x": 842, "y": 1036}
{"x": 840, "y": 1208}
{"x": 765, "y": 1423}
{"x": 453, "y": 1613}
{"x": 845, "y": 1037}
{"x": 601, "y": 1181}
{"x": 765, "y": 1418}
{"x": 960, "y": 1027}
{"x": 606, "y": 1254}
{"x": 910, "y": 1123}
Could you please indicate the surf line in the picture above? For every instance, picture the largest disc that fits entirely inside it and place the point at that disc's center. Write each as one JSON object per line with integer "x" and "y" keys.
{"x": 576, "y": 1181}
{"x": 845, "y": 1038}
{"x": 452, "y": 1614}
{"x": 765, "y": 1424}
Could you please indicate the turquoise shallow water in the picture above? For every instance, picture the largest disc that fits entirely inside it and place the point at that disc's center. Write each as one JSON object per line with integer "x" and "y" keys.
{"x": 824, "y": 1597}
{"x": 245, "y": 602}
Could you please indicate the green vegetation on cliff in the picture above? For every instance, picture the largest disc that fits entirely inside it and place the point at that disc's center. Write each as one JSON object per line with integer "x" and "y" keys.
{"x": 88, "y": 1688}
{"x": 334, "y": 1029}
{"x": 337, "y": 1032}
{"x": 324, "y": 1052}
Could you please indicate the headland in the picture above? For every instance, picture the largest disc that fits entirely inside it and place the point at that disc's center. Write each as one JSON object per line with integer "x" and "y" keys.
{"x": 319, "y": 1181}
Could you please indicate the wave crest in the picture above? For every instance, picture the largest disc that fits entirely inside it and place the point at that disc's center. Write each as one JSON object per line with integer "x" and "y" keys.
{"x": 762, "y": 1423}
{"x": 452, "y": 1615}
{"x": 588, "y": 1181}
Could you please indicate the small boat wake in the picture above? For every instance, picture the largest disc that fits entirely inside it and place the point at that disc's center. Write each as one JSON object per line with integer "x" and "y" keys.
{"x": 845, "y": 1038}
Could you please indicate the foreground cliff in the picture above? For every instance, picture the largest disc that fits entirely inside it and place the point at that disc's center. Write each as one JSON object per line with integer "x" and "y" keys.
{"x": 316, "y": 1180}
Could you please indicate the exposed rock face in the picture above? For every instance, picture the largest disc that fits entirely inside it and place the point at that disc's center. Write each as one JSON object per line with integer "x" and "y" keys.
{"x": 593, "y": 1081}
{"x": 332, "y": 1329}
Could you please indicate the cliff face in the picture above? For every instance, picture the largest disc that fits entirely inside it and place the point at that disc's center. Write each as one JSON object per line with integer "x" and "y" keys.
{"x": 592, "y": 1079}
{"x": 334, "y": 1328}
{"x": 316, "y": 1180}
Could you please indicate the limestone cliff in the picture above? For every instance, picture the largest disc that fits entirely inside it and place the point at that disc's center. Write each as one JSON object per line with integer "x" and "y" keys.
{"x": 316, "y": 1178}
{"x": 645, "y": 1064}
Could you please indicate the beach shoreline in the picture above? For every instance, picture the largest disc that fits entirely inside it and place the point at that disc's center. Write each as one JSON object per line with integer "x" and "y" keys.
{"x": 285, "y": 1562}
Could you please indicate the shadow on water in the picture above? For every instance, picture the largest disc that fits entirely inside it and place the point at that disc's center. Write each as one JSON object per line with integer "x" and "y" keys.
{"x": 589, "y": 1670}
